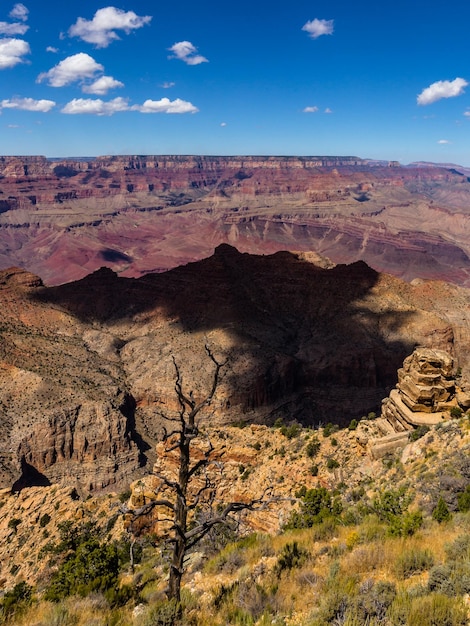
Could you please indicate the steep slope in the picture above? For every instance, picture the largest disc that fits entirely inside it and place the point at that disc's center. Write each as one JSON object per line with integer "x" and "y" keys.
{"x": 86, "y": 367}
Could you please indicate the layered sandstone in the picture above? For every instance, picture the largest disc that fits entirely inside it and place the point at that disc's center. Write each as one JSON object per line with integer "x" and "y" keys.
{"x": 63, "y": 219}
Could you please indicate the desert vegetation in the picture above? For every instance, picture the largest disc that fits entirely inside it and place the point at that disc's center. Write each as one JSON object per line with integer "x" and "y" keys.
{"x": 390, "y": 548}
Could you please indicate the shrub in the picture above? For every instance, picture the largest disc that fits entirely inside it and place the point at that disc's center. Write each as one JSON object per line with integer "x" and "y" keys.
{"x": 463, "y": 500}
{"x": 317, "y": 505}
{"x": 16, "y": 599}
{"x": 405, "y": 525}
{"x": 13, "y": 523}
{"x": 312, "y": 448}
{"x": 291, "y": 557}
{"x": 391, "y": 505}
{"x": 291, "y": 431}
{"x": 93, "y": 567}
{"x": 441, "y": 512}
{"x": 413, "y": 561}
{"x": 353, "y": 424}
{"x": 456, "y": 412}
{"x": 437, "y": 610}
{"x": 329, "y": 429}
{"x": 314, "y": 470}
{"x": 44, "y": 520}
{"x": 332, "y": 464}
{"x": 418, "y": 432}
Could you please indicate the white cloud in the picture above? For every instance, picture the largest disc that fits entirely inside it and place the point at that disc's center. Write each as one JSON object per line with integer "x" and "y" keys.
{"x": 13, "y": 126}
{"x": 223, "y": 124}
{"x": 74, "y": 68}
{"x": 102, "y": 85}
{"x": 100, "y": 31}
{"x": 12, "y": 51}
{"x": 52, "y": 49}
{"x": 28, "y": 104}
{"x": 100, "y": 107}
{"x": 95, "y": 107}
{"x": 167, "y": 85}
{"x": 316, "y": 28}
{"x": 12, "y": 29}
{"x": 19, "y": 12}
{"x": 442, "y": 89}
{"x": 443, "y": 141}
{"x": 187, "y": 52}
{"x": 328, "y": 110}
{"x": 310, "y": 110}
{"x": 166, "y": 106}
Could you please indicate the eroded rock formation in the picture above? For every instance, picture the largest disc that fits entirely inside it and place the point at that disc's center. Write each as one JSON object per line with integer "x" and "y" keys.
{"x": 86, "y": 367}
{"x": 63, "y": 219}
{"x": 426, "y": 393}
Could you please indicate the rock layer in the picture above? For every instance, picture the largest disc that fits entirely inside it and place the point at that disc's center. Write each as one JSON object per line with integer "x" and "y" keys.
{"x": 63, "y": 219}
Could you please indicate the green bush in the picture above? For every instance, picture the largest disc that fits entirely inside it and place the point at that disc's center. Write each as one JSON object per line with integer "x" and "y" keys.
{"x": 329, "y": 429}
{"x": 317, "y": 505}
{"x": 413, "y": 561}
{"x": 406, "y": 524}
{"x": 92, "y": 567}
{"x": 312, "y": 448}
{"x": 16, "y": 599}
{"x": 463, "y": 500}
{"x": 441, "y": 512}
{"x": 291, "y": 431}
{"x": 353, "y": 424}
{"x": 437, "y": 610}
{"x": 44, "y": 520}
{"x": 291, "y": 556}
{"x": 418, "y": 432}
{"x": 332, "y": 464}
{"x": 456, "y": 412}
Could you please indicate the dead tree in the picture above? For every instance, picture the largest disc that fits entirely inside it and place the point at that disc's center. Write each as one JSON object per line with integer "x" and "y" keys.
{"x": 180, "y": 501}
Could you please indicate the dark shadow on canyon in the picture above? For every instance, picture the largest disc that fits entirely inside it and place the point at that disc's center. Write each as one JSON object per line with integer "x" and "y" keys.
{"x": 311, "y": 348}
{"x": 30, "y": 477}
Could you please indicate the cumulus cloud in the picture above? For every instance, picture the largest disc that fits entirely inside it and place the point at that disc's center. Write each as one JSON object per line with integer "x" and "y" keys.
{"x": 100, "y": 107}
{"x": 101, "y": 30}
{"x": 72, "y": 69}
{"x": 442, "y": 89}
{"x": 52, "y": 49}
{"x": 102, "y": 85}
{"x": 167, "y": 85}
{"x": 95, "y": 107}
{"x": 443, "y": 141}
{"x": 316, "y": 28}
{"x": 13, "y": 29}
{"x": 187, "y": 52}
{"x": 28, "y": 104}
{"x": 19, "y": 12}
{"x": 12, "y": 52}
{"x": 328, "y": 110}
{"x": 310, "y": 110}
{"x": 166, "y": 106}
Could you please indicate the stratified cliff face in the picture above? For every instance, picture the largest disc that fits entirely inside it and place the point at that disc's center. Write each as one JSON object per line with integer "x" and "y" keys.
{"x": 63, "y": 219}
{"x": 86, "y": 368}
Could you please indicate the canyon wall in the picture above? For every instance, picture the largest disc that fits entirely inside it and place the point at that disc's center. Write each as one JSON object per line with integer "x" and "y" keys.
{"x": 64, "y": 218}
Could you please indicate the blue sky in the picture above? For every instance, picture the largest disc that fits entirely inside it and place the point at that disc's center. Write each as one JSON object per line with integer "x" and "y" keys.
{"x": 370, "y": 79}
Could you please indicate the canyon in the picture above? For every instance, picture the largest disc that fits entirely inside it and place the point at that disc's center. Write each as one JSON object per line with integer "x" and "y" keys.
{"x": 87, "y": 373}
{"x": 64, "y": 218}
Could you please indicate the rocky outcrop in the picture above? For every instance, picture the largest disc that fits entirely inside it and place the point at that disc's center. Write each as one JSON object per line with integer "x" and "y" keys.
{"x": 425, "y": 394}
